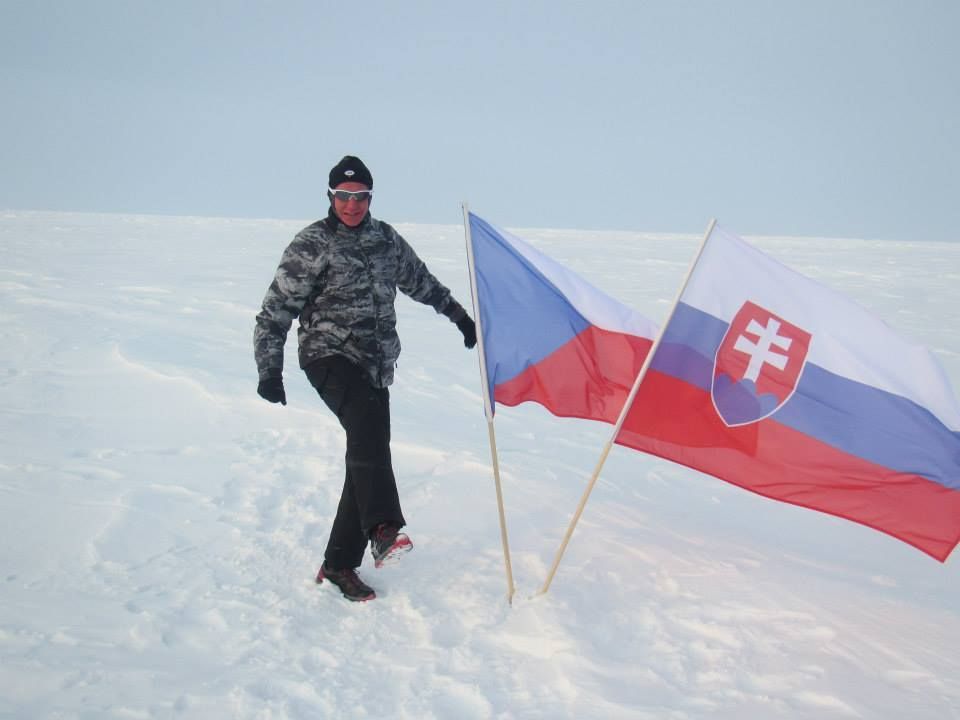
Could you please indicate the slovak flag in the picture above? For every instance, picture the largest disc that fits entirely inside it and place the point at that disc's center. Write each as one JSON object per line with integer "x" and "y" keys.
{"x": 550, "y": 337}
{"x": 772, "y": 382}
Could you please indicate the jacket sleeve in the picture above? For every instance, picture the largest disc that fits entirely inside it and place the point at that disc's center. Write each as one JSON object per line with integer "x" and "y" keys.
{"x": 292, "y": 285}
{"x": 416, "y": 281}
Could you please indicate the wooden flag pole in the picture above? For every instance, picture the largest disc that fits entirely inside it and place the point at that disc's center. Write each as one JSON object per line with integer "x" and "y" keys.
{"x": 488, "y": 406}
{"x": 623, "y": 415}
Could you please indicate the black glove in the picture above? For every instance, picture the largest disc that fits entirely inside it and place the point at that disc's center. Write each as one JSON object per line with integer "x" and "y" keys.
{"x": 272, "y": 389}
{"x": 469, "y": 330}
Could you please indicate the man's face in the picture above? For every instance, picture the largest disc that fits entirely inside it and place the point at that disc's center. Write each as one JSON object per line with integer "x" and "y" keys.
{"x": 351, "y": 211}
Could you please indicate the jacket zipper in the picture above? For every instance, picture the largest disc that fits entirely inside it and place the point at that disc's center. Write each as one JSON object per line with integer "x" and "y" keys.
{"x": 376, "y": 309}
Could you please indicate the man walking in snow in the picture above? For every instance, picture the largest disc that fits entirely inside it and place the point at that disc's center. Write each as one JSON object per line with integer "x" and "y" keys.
{"x": 340, "y": 275}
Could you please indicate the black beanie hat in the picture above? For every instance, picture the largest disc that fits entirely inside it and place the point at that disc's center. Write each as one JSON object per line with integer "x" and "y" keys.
{"x": 350, "y": 169}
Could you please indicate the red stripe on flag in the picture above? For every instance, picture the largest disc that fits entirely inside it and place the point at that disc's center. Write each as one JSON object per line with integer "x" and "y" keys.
{"x": 677, "y": 421}
{"x": 588, "y": 377}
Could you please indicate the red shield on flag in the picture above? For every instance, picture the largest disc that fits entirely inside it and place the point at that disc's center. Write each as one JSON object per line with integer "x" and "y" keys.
{"x": 757, "y": 366}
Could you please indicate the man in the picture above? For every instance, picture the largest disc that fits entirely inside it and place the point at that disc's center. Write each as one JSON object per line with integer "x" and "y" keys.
{"x": 340, "y": 275}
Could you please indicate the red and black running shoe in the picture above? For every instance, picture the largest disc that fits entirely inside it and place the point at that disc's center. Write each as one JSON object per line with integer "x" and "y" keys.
{"x": 350, "y": 584}
{"x": 388, "y": 544}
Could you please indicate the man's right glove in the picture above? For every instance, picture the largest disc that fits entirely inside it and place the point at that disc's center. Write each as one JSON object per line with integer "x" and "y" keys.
{"x": 272, "y": 389}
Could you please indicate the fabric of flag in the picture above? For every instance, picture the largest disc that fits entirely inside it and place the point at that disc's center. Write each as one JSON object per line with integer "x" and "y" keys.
{"x": 548, "y": 335}
{"x": 773, "y": 382}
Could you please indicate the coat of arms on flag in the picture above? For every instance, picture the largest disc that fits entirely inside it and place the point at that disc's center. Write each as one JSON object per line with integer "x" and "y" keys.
{"x": 757, "y": 365}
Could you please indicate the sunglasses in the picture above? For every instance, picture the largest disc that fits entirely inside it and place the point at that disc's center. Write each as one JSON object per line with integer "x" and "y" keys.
{"x": 345, "y": 195}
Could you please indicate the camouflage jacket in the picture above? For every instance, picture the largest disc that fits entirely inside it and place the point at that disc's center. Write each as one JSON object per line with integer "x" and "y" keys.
{"x": 342, "y": 282}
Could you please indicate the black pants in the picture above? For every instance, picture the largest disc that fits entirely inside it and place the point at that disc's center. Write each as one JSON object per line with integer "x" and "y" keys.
{"x": 369, "y": 494}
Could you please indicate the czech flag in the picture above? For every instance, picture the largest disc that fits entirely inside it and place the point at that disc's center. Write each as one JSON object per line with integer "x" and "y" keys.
{"x": 550, "y": 337}
{"x": 772, "y": 382}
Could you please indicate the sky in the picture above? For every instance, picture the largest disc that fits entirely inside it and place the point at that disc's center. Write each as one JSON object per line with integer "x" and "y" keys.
{"x": 823, "y": 118}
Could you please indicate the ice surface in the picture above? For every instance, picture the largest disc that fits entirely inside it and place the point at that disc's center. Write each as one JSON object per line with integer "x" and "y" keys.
{"x": 161, "y": 524}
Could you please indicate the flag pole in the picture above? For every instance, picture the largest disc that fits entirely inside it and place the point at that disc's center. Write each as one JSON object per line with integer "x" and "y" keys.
{"x": 488, "y": 404}
{"x": 623, "y": 414}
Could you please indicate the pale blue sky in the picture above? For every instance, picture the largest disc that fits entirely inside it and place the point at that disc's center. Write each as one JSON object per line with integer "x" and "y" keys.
{"x": 832, "y": 118}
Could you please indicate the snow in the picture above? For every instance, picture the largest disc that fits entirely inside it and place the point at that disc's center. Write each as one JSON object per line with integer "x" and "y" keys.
{"x": 161, "y": 525}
